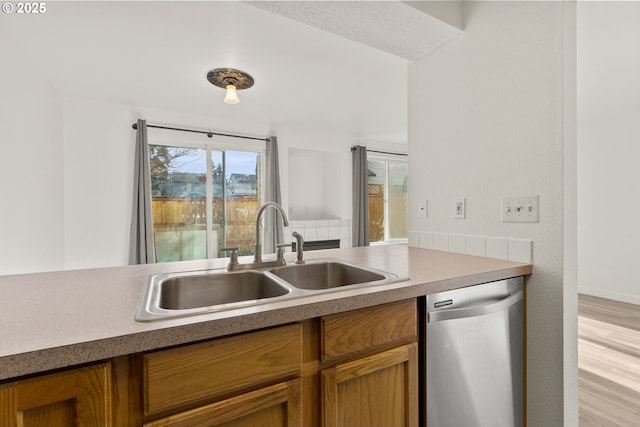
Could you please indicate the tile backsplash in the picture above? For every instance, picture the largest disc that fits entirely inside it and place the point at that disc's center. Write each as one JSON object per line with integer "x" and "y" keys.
{"x": 520, "y": 250}
{"x": 320, "y": 229}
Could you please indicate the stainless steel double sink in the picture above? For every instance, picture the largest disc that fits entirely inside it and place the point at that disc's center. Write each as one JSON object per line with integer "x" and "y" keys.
{"x": 197, "y": 292}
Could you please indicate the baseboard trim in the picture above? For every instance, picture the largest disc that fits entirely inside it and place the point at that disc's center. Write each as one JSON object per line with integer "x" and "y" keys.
{"x": 617, "y": 296}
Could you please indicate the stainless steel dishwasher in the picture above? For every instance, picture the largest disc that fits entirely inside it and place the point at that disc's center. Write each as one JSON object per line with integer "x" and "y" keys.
{"x": 474, "y": 356}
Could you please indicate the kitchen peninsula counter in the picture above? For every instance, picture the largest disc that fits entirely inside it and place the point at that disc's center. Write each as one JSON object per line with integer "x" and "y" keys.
{"x": 60, "y": 319}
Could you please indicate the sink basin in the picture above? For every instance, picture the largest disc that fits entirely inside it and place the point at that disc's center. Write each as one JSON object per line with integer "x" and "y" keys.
{"x": 178, "y": 293}
{"x": 328, "y": 275}
{"x": 198, "y": 292}
{"x": 181, "y": 294}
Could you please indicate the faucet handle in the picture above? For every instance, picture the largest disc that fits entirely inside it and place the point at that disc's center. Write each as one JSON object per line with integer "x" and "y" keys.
{"x": 233, "y": 257}
{"x": 281, "y": 247}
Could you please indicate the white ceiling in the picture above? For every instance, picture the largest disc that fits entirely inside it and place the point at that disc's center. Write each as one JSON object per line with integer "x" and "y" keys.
{"x": 157, "y": 54}
{"x": 391, "y": 26}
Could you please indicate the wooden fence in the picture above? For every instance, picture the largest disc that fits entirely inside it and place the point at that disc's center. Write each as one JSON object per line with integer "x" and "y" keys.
{"x": 179, "y": 223}
{"x": 397, "y": 211}
{"x": 184, "y": 215}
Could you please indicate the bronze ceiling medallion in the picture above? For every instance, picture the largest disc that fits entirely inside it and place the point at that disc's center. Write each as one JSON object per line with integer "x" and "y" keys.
{"x": 222, "y": 77}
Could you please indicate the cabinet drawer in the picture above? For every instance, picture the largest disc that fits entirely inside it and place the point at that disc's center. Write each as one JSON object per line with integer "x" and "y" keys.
{"x": 369, "y": 328}
{"x": 201, "y": 371}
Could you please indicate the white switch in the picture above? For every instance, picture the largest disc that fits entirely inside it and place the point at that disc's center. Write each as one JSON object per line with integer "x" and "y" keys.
{"x": 422, "y": 208}
{"x": 521, "y": 209}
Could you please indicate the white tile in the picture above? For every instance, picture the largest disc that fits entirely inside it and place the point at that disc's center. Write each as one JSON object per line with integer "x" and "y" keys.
{"x": 322, "y": 233}
{"x": 497, "y": 247}
{"x": 345, "y": 243}
{"x": 414, "y": 239}
{"x": 334, "y": 223}
{"x": 520, "y": 250}
{"x": 322, "y": 223}
{"x": 426, "y": 240}
{"x": 441, "y": 241}
{"x": 345, "y": 232}
{"x": 344, "y": 222}
{"x": 458, "y": 243}
{"x": 296, "y": 224}
{"x": 310, "y": 234}
{"x": 476, "y": 245}
{"x": 334, "y": 232}
{"x": 310, "y": 223}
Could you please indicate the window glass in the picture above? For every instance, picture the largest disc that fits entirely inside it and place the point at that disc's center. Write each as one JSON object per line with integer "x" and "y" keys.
{"x": 398, "y": 228}
{"x": 387, "y": 185}
{"x": 236, "y": 193}
{"x": 376, "y": 186}
{"x": 178, "y": 188}
{"x": 183, "y": 188}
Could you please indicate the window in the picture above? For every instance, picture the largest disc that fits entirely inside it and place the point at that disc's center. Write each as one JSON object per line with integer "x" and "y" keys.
{"x": 387, "y": 200}
{"x": 204, "y": 199}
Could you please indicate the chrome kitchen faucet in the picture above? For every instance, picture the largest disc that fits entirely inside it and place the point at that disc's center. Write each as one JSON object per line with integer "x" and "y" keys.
{"x": 257, "y": 257}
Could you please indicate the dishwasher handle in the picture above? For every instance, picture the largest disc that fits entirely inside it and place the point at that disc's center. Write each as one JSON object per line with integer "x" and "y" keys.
{"x": 460, "y": 313}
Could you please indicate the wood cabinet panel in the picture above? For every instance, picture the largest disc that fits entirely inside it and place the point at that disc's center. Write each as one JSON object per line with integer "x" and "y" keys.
{"x": 377, "y": 390}
{"x": 78, "y": 397}
{"x": 192, "y": 373}
{"x": 274, "y": 406}
{"x": 369, "y": 328}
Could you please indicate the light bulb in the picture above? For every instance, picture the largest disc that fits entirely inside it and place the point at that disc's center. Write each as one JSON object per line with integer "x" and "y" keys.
{"x": 232, "y": 95}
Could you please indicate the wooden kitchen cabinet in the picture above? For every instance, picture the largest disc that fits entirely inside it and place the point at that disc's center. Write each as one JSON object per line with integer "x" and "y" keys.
{"x": 248, "y": 379}
{"x": 377, "y": 390}
{"x": 349, "y": 369}
{"x": 368, "y": 367}
{"x": 356, "y": 368}
{"x": 77, "y": 397}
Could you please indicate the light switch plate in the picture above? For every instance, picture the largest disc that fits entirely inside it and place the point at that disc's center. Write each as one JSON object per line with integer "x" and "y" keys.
{"x": 521, "y": 209}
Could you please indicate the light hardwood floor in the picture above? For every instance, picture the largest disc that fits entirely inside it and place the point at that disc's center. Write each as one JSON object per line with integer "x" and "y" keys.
{"x": 608, "y": 362}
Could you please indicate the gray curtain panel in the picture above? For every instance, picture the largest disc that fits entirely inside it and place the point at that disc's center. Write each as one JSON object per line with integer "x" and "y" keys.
{"x": 141, "y": 246}
{"x": 360, "y": 219}
{"x": 273, "y": 225}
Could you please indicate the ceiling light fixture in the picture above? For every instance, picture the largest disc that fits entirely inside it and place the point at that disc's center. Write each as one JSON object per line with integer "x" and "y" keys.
{"x": 231, "y": 80}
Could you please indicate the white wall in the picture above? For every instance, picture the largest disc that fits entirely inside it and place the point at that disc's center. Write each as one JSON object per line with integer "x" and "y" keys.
{"x": 98, "y": 176}
{"x": 31, "y": 178}
{"x": 318, "y": 160}
{"x": 609, "y": 149}
{"x": 485, "y": 121}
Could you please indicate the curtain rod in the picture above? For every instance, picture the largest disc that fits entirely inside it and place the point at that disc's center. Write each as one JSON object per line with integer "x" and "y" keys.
{"x": 382, "y": 152}
{"x": 206, "y": 132}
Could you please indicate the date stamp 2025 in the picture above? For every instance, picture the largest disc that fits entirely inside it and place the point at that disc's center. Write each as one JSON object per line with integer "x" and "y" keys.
{"x": 26, "y": 8}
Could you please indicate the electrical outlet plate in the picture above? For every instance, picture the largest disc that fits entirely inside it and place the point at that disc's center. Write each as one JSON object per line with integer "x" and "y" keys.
{"x": 521, "y": 209}
{"x": 422, "y": 208}
{"x": 459, "y": 208}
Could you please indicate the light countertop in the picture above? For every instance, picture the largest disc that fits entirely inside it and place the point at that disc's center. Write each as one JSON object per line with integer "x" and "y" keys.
{"x": 58, "y": 319}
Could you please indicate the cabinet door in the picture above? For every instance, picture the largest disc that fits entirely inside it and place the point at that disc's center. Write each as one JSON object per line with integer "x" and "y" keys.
{"x": 378, "y": 390}
{"x": 274, "y": 406}
{"x": 79, "y": 397}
